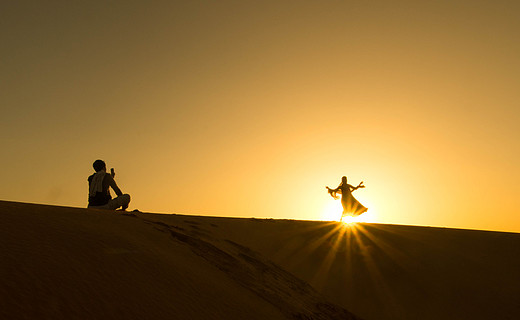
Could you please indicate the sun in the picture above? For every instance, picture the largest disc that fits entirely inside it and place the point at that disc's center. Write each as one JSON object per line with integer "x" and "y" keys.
{"x": 333, "y": 210}
{"x": 349, "y": 219}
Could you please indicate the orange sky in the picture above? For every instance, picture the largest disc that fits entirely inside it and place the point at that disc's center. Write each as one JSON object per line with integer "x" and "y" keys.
{"x": 235, "y": 108}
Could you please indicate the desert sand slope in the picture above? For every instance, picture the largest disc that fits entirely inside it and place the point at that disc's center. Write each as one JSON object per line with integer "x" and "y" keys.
{"x": 71, "y": 263}
{"x": 388, "y": 271}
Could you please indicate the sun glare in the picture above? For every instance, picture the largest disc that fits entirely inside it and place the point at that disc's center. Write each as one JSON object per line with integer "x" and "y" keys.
{"x": 333, "y": 210}
{"x": 349, "y": 219}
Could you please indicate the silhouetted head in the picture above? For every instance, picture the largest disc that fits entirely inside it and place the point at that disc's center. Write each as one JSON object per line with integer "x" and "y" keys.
{"x": 99, "y": 165}
{"x": 344, "y": 180}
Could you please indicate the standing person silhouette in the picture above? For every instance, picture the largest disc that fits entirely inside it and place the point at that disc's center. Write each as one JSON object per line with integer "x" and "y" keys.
{"x": 351, "y": 207}
{"x": 99, "y": 196}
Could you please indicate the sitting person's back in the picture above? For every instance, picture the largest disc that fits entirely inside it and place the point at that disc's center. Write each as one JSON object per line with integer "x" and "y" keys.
{"x": 99, "y": 194}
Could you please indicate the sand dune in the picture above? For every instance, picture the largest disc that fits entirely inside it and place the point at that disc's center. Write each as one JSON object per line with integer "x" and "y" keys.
{"x": 396, "y": 272}
{"x": 390, "y": 271}
{"x": 70, "y": 263}
{"x": 62, "y": 262}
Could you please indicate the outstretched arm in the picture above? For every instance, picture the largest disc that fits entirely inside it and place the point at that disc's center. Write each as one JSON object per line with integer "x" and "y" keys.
{"x": 360, "y": 185}
{"x": 333, "y": 192}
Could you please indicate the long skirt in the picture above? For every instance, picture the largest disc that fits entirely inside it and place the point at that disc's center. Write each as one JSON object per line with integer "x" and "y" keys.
{"x": 352, "y": 207}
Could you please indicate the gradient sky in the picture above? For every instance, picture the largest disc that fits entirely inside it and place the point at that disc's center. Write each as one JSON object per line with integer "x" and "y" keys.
{"x": 250, "y": 108}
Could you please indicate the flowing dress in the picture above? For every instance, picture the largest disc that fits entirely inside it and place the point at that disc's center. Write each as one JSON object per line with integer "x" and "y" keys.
{"x": 351, "y": 207}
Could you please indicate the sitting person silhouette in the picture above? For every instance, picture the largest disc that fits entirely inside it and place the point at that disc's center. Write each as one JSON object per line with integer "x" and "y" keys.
{"x": 351, "y": 207}
{"x": 99, "y": 196}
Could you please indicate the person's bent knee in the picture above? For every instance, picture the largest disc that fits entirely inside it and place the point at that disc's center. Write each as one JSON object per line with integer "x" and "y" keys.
{"x": 126, "y": 198}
